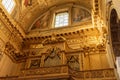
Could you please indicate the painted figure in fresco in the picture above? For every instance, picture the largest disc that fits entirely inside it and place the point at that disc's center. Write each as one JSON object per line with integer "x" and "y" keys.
{"x": 27, "y": 3}
{"x": 37, "y": 24}
{"x": 41, "y": 23}
{"x": 80, "y": 14}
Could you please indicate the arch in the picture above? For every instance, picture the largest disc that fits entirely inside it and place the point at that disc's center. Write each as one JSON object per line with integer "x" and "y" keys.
{"x": 45, "y": 17}
{"x": 115, "y": 32}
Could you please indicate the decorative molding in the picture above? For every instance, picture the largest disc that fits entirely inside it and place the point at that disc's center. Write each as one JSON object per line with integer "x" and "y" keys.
{"x": 12, "y": 24}
{"x": 101, "y": 74}
{"x": 13, "y": 54}
{"x": 62, "y": 32}
{"x": 45, "y": 70}
{"x": 53, "y": 40}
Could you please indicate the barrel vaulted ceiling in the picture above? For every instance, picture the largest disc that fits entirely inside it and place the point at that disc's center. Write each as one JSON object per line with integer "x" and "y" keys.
{"x": 26, "y": 15}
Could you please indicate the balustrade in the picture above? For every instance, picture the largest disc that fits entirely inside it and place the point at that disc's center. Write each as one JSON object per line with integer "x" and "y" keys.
{"x": 63, "y": 72}
{"x": 45, "y": 71}
{"x": 98, "y": 74}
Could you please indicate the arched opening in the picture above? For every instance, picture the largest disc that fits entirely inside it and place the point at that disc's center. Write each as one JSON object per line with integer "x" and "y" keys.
{"x": 115, "y": 32}
{"x": 115, "y": 38}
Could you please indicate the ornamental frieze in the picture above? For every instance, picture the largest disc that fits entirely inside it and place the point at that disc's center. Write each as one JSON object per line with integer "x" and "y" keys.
{"x": 53, "y": 39}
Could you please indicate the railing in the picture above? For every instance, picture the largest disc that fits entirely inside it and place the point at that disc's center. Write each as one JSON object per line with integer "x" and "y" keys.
{"x": 99, "y": 74}
{"x": 45, "y": 71}
{"x": 63, "y": 72}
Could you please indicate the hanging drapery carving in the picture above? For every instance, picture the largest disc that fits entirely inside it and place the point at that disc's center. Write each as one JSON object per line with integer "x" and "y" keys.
{"x": 73, "y": 62}
{"x": 53, "y": 58}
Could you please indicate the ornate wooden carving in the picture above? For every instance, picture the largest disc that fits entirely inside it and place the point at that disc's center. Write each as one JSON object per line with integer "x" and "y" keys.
{"x": 53, "y": 39}
{"x": 53, "y": 58}
{"x": 35, "y": 63}
{"x": 12, "y": 24}
{"x": 46, "y": 70}
{"x": 93, "y": 74}
{"x": 73, "y": 62}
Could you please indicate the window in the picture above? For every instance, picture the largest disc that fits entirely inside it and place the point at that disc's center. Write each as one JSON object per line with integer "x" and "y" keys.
{"x": 61, "y": 19}
{"x": 8, "y": 4}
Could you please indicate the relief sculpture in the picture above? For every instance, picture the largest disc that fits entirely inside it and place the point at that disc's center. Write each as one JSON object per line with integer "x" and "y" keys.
{"x": 35, "y": 63}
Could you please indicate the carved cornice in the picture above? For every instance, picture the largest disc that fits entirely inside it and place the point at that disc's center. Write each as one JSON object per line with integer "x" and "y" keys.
{"x": 53, "y": 39}
{"x": 67, "y": 33}
{"x": 13, "y": 54}
{"x": 11, "y": 24}
{"x": 14, "y": 35}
